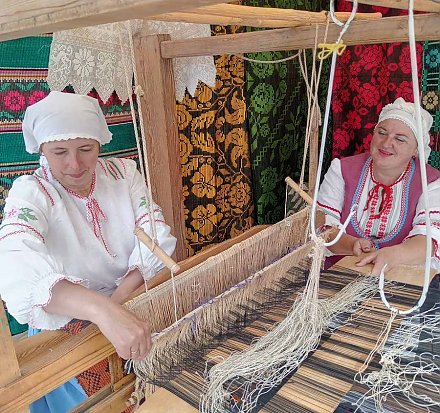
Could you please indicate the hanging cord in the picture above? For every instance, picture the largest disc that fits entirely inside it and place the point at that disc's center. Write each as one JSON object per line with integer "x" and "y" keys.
{"x": 151, "y": 243}
{"x": 338, "y": 47}
{"x": 419, "y": 137}
{"x": 139, "y": 93}
{"x": 324, "y": 131}
{"x": 128, "y": 80}
{"x": 313, "y": 109}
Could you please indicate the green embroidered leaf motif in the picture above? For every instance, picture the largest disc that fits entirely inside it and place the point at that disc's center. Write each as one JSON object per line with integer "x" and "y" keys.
{"x": 26, "y": 215}
{"x": 143, "y": 202}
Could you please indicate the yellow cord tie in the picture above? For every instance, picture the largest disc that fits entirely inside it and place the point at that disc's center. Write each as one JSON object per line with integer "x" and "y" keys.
{"x": 329, "y": 48}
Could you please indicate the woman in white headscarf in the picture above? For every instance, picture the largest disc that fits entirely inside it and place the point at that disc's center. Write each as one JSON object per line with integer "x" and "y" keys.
{"x": 384, "y": 188}
{"x": 67, "y": 249}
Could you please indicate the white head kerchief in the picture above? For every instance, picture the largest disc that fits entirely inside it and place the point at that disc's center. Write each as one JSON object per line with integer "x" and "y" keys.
{"x": 405, "y": 112}
{"x": 62, "y": 116}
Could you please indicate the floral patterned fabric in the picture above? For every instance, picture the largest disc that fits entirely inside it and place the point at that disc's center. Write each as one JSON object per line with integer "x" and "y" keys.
{"x": 214, "y": 154}
{"x": 277, "y": 112}
{"x": 431, "y": 95}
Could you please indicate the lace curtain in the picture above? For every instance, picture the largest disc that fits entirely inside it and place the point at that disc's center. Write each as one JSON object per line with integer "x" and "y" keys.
{"x": 100, "y": 57}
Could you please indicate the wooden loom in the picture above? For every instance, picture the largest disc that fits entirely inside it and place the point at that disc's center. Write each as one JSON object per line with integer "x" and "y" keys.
{"x": 323, "y": 379}
{"x": 27, "y": 372}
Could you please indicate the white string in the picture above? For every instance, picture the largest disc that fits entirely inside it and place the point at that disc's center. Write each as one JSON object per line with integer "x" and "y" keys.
{"x": 128, "y": 81}
{"x": 173, "y": 283}
{"x": 312, "y": 97}
{"x": 324, "y": 132}
{"x": 275, "y": 355}
{"x": 420, "y": 144}
{"x": 338, "y": 22}
{"x": 405, "y": 373}
{"x": 139, "y": 93}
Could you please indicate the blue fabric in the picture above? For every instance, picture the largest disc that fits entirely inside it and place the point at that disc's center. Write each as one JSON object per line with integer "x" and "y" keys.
{"x": 60, "y": 400}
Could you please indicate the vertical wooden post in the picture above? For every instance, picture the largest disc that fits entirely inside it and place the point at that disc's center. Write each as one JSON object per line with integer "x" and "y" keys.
{"x": 10, "y": 369}
{"x": 158, "y": 110}
{"x": 116, "y": 369}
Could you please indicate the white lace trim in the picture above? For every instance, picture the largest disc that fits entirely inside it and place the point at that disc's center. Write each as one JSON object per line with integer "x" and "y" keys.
{"x": 91, "y": 57}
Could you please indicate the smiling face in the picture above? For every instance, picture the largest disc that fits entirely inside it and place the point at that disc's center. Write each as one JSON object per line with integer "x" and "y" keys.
{"x": 72, "y": 162}
{"x": 392, "y": 147}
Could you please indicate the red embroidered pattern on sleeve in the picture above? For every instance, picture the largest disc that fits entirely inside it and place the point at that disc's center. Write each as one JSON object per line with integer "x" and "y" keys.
{"x": 329, "y": 208}
{"x": 123, "y": 165}
{"x": 18, "y": 224}
{"x": 435, "y": 212}
{"x": 102, "y": 167}
{"x": 113, "y": 170}
{"x": 141, "y": 220}
{"x": 43, "y": 188}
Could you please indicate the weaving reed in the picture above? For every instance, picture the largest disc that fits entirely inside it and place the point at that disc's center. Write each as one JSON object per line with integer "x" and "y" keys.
{"x": 209, "y": 293}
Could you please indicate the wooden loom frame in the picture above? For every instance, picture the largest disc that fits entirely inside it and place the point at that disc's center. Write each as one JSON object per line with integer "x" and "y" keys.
{"x": 24, "y": 378}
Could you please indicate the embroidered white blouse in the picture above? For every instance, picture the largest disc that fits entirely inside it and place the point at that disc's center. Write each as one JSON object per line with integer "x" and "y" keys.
{"x": 331, "y": 199}
{"x": 50, "y": 233}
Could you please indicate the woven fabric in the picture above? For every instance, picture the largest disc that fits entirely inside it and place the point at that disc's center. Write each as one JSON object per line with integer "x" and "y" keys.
{"x": 431, "y": 95}
{"x": 214, "y": 154}
{"x": 96, "y": 377}
{"x": 277, "y": 116}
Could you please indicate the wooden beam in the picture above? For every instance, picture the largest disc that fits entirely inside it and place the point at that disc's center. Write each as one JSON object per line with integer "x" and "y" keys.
{"x": 20, "y": 18}
{"x": 419, "y": 5}
{"x": 45, "y": 369}
{"x": 9, "y": 370}
{"x": 158, "y": 110}
{"x": 233, "y": 14}
{"x": 108, "y": 401}
{"x": 385, "y": 30}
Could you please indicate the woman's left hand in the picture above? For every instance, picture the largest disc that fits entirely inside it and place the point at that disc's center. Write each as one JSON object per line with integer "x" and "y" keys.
{"x": 389, "y": 256}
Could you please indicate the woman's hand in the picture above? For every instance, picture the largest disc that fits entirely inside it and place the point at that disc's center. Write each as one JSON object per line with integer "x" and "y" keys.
{"x": 389, "y": 256}
{"x": 362, "y": 245}
{"x": 130, "y": 336}
{"x": 410, "y": 252}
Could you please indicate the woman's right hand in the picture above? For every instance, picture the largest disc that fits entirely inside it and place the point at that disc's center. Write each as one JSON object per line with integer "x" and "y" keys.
{"x": 362, "y": 245}
{"x": 130, "y": 336}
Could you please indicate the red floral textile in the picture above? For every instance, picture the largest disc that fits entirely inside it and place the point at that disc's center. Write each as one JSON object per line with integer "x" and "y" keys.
{"x": 367, "y": 77}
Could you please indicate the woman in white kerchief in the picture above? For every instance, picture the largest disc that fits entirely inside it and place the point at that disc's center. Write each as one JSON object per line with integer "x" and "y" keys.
{"x": 389, "y": 221}
{"x": 67, "y": 249}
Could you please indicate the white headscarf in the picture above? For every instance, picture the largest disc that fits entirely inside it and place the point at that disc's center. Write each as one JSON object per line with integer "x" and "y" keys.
{"x": 405, "y": 112}
{"x": 62, "y": 116}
